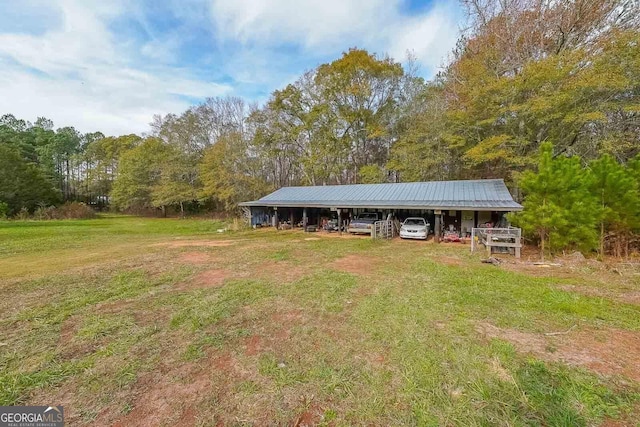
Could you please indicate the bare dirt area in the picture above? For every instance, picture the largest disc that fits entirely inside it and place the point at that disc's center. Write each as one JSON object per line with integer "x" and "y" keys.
{"x": 207, "y": 279}
{"x": 283, "y": 322}
{"x": 164, "y": 397}
{"x": 253, "y": 345}
{"x": 607, "y": 351}
{"x": 281, "y": 271}
{"x": 310, "y": 417}
{"x": 277, "y": 271}
{"x": 356, "y": 264}
{"x": 69, "y": 347}
{"x": 195, "y": 258}
{"x": 629, "y": 419}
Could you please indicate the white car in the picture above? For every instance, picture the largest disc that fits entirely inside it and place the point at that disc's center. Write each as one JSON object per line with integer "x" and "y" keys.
{"x": 414, "y": 228}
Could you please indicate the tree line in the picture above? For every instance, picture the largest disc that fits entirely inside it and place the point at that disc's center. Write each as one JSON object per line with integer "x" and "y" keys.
{"x": 523, "y": 73}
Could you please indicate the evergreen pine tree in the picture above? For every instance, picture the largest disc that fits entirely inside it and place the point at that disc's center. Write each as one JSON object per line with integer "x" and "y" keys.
{"x": 616, "y": 191}
{"x": 558, "y": 208}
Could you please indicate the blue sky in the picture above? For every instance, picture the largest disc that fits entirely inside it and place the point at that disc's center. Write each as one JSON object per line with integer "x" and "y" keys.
{"x": 110, "y": 65}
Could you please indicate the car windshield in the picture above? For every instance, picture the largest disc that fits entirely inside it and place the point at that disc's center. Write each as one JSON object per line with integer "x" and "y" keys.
{"x": 414, "y": 221}
{"x": 367, "y": 216}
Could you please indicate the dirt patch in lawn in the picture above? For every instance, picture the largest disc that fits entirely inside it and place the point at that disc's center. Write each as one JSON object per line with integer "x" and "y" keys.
{"x": 287, "y": 316}
{"x": 195, "y": 258}
{"x": 253, "y": 345}
{"x": 68, "y": 330}
{"x": 310, "y": 417}
{"x": 629, "y": 297}
{"x": 281, "y": 271}
{"x": 207, "y": 279}
{"x": 68, "y": 347}
{"x": 627, "y": 419}
{"x": 283, "y": 323}
{"x": 356, "y": 264}
{"x": 607, "y": 351}
{"x": 164, "y": 397}
{"x": 139, "y": 309}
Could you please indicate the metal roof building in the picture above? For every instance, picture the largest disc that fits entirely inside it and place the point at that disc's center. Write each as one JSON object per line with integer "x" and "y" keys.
{"x": 472, "y": 195}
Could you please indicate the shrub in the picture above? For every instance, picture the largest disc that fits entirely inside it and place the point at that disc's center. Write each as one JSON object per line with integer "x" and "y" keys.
{"x": 4, "y": 210}
{"x": 45, "y": 212}
{"x": 23, "y": 214}
{"x": 70, "y": 210}
{"x": 74, "y": 210}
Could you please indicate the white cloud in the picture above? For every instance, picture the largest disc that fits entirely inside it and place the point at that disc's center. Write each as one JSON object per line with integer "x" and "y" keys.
{"x": 430, "y": 37}
{"x": 110, "y": 100}
{"x": 78, "y": 76}
{"x": 318, "y": 24}
{"x": 80, "y": 73}
{"x": 321, "y": 26}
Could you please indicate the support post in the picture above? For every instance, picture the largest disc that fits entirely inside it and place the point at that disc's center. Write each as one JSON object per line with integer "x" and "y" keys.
{"x": 340, "y": 222}
{"x": 305, "y": 220}
{"x": 291, "y": 218}
{"x": 276, "y": 222}
{"x": 437, "y": 227}
{"x": 473, "y": 239}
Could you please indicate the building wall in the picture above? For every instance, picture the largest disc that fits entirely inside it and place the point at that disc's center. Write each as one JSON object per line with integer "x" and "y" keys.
{"x": 260, "y": 216}
{"x": 468, "y": 222}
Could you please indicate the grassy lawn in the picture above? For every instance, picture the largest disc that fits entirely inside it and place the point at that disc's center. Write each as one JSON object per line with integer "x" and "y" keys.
{"x": 132, "y": 321}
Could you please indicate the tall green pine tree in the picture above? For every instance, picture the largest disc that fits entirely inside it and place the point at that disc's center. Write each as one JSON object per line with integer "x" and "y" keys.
{"x": 616, "y": 191}
{"x": 559, "y": 212}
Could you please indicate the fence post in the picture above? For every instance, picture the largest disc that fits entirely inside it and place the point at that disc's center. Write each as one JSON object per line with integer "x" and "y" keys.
{"x": 473, "y": 239}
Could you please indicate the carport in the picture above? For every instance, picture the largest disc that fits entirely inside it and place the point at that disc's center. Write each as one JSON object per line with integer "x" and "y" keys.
{"x": 446, "y": 205}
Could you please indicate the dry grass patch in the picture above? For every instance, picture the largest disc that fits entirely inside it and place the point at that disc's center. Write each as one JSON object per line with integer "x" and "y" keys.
{"x": 201, "y": 243}
{"x": 207, "y": 279}
{"x": 533, "y": 270}
{"x": 622, "y": 295}
{"x": 139, "y": 309}
{"x": 357, "y": 264}
{"x": 279, "y": 271}
{"x": 607, "y": 352}
{"x": 195, "y": 258}
{"x": 449, "y": 260}
{"x": 166, "y": 397}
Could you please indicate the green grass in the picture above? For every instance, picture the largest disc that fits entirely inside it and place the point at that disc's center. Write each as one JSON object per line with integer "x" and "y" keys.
{"x": 18, "y": 237}
{"x": 106, "y": 315}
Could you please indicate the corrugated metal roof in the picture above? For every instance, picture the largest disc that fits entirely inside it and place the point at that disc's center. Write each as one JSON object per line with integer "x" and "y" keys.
{"x": 489, "y": 194}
